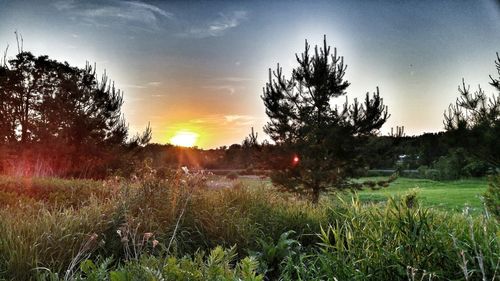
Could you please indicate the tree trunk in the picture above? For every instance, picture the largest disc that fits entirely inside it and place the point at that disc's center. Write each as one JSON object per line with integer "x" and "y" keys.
{"x": 315, "y": 195}
{"x": 24, "y": 119}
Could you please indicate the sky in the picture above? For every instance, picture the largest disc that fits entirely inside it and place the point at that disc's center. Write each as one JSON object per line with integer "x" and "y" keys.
{"x": 198, "y": 67}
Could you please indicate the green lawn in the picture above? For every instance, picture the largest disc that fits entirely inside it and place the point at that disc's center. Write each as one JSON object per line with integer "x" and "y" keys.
{"x": 448, "y": 195}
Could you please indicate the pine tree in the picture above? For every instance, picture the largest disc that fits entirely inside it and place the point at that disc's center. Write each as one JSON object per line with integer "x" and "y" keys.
{"x": 317, "y": 144}
{"x": 474, "y": 121}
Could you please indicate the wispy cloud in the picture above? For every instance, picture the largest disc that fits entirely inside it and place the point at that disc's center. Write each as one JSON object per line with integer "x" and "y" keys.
{"x": 154, "y": 83}
{"x": 235, "y": 120}
{"x": 64, "y": 4}
{"x": 132, "y": 86}
{"x": 222, "y": 88}
{"x": 141, "y": 86}
{"x": 113, "y": 12}
{"x": 240, "y": 120}
{"x": 229, "y": 84}
{"x": 218, "y": 26}
{"x": 233, "y": 79}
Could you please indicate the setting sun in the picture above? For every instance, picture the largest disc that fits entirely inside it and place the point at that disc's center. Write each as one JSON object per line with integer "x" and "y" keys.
{"x": 184, "y": 138}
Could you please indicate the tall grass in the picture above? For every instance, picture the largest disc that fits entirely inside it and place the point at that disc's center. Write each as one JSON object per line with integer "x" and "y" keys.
{"x": 399, "y": 240}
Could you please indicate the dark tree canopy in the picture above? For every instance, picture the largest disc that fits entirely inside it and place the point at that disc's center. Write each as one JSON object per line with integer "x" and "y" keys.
{"x": 474, "y": 120}
{"x": 56, "y": 111}
{"x": 319, "y": 142}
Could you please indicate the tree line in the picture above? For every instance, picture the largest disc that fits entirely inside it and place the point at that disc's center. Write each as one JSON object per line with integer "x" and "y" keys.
{"x": 56, "y": 119}
{"x": 60, "y": 120}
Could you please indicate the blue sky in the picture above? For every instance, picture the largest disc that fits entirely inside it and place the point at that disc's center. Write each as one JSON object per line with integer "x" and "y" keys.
{"x": 201, "y": 65}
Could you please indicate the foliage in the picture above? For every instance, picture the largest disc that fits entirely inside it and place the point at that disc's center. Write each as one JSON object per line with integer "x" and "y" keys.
{"x": 492, "y": 196}
{"x": 458, "y": 164}
{"x": 59, "y": 120}
{"x": 219, "y": 264}
{"x": 152, "y": 228}
{"x": 474, "y": 120}
{"x": 451, "y": 166}
{"x": 271, "y": 254}
{"x": 399, "y": 243}
{"x": 232, "y": 176}
{"x": 31, "y": 235}
{"x": 323, "y": 138}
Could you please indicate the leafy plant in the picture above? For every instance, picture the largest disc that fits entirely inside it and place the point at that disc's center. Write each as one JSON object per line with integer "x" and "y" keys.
{"x": 272, "y": 254}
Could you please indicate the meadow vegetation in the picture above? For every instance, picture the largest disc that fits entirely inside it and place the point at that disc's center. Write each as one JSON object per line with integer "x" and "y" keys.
{"x": 132, "y": 215}
{"x": 454, "y": 195}
{"x": 178, "y": 228}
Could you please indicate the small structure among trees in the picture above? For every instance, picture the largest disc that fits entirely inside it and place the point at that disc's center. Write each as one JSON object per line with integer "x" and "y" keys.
{"x": 318, "y": 143}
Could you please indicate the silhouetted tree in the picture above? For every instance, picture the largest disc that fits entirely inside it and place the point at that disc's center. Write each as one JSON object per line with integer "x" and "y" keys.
{"x": 251, "y": 140}
{"x": 318, "y": 143}
{"x": 251, "y": 151}
{"x": 474, "y": 120}
{"x": 61, "y": 113}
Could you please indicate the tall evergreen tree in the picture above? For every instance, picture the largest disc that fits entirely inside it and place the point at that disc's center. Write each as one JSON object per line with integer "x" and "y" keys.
{"x": 474, "y": 120}
{"x": 318, "y": 143}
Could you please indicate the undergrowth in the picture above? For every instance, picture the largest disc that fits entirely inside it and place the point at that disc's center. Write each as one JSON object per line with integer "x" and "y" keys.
{"x": 180, "y": 229}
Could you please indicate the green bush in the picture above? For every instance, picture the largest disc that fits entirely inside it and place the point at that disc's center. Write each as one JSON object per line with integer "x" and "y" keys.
{"x": 451, "y": 166}
{"x": 233, "y": 176}
{"x": 458, "y": 164}
{"x": 424, "y": 172}
{"x": 476, "y": 168}
{"x": 219, "y": 264}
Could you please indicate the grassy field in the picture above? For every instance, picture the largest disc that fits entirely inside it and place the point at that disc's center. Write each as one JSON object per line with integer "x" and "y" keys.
{"x": 445, "y": 195}
{"x": 193, "y": 227}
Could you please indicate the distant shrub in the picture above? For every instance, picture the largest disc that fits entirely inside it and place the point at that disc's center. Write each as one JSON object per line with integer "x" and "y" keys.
{"x": 422, "y": 171}
{"x": 378, "y": 173}
{"x": 370, "y": 183}
{"x": 458, "y": 164}
{"x": 360, "y": 172}
{"x": 249, "y": 171}
{"x": 476, "y": 168}
{"x": 451, "y": 166}
{"x": 425, "y": 172}
{"x": 233, "y": 176}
